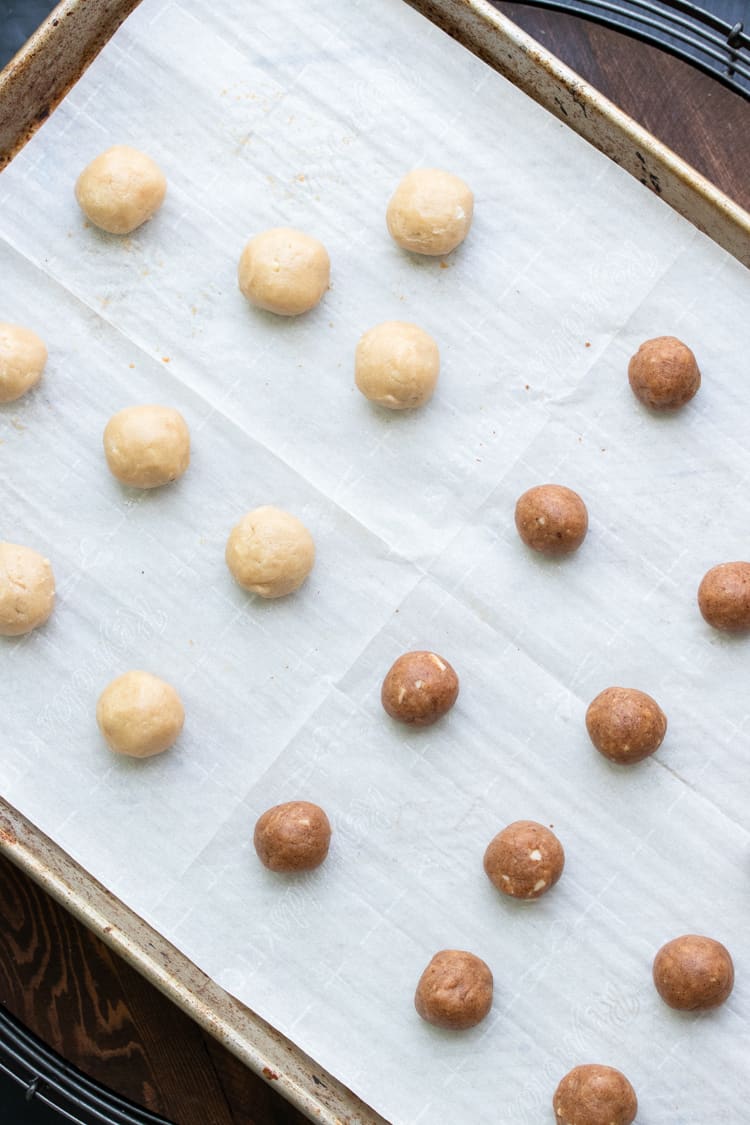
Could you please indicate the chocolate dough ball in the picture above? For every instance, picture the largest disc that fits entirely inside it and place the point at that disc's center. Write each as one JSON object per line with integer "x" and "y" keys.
{"x": 292, "y": 837}
{"x": 724, "y": 596}
{"x": 419, "y": 688}
{"x": 455, "y": 990}
{"x": 594, "y": 1095}
{"x": 692, "y": 973}
{"x": 552, "y": 519}
{"x": 625, "y": 725}
{"x": 524, "y": 860}
{"x": 663, "y": 373}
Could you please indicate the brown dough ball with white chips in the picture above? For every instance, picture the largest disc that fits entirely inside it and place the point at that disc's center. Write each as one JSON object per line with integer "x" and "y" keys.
{"x": 455, "y": 990}
{"x": 595, "y": 1095}
{"x": 693, "y": 973}
{"x": 724, "y": 596}
{"x": 663, "y": 373}
{"x": 430, "y": 212}
{"x": 292, "y": 837}
{"x": 524, "y": 860}
{"x": 147, "y": 446}
{"x": 552, "y": 519}
{"x": 27, "y": 590}
{"x": 419, "y": 689}
{"x": 121, "y": 189}
{"x": 284, "y": 271}
{"x": 22, "y": 359}
{"x": 625, "y": 725}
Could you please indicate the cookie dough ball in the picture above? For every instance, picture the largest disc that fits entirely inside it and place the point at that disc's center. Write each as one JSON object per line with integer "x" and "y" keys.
{"x": 455, "y": 990}
{"x": 139, "y": 715}
{"x": 292, "y": 837}
{"x": 552, "y": 519}
{"x": 147, "y": 446}
{"x": 724, "y": 596}
{"x": 663, "y": 373}
{"x": 524, "y": 860}
{"x": 270, "y": 552}
{"x": 419, "y": 688}
{"x": 397, "y": 365}
{"x": 27, "y": 590}
{"x": 22, "y": 359}
{"x": 693, "y": 973}
{"x": 594, "y": 1095}
{"x": 284, "y": 271}
{"x": 120, "y": 189}
{"x": 625, "y": 725}
{"x": 430, "y": 212}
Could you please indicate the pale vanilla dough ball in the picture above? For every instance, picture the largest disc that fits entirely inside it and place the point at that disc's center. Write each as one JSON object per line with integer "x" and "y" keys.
{"x": 139, "y": 714}
{"x": 397, "y": 365}
{"x": 27, "y": 589}
{"x": 284, "y": 271}
{"x": 22, "y": 359}
{"x": 430, "y": 211}
{"x": 121, "y": 189}
{"x": 147, "y": 446}
{"x": 270, "y": 552}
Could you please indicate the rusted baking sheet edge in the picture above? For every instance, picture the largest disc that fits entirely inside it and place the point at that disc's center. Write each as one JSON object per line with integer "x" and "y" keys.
{"x": 315, "y": 1092}
{"x": 50, "y": 63}
{"x": 509, "y": 50}
{"x": 36, "y": 80}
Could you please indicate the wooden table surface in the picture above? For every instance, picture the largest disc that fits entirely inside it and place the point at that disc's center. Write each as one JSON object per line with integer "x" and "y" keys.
{"x": 64, "y": 983}
{"x": 701, "y": 120}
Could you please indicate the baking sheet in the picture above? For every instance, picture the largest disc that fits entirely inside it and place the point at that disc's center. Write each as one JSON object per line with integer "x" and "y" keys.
{"x": 308, "y": 115}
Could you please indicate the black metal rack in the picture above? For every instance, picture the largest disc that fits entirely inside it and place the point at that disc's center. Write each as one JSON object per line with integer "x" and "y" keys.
{"x": 38, "y": 1087}
{"x": 714, "y": 40}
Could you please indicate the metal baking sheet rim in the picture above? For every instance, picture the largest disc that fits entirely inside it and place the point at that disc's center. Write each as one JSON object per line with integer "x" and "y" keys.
{"x": 40, "y": 75}
{"x": 514, "y": 54}
{"x": 266, "y": 1051}
{"x": 32, "y": 84}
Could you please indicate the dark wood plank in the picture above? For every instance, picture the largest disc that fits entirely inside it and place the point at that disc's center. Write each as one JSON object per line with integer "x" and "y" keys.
{"x": 91, "y": 1007}
{"x": 705, "y": 123}
{"x": 260, "y": 1105}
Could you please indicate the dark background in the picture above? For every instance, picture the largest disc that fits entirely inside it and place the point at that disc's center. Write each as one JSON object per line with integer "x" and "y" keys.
{"x": 18, "y": 18}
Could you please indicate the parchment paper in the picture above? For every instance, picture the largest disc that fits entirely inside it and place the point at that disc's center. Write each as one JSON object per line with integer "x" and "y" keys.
{"x": 307, "y": 114}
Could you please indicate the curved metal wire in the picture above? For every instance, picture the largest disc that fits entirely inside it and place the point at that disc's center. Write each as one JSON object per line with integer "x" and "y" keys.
{"x": 692, "y": 18}
{"x": 692, "y": 33}
{"x": 51, "y": 1082}
{"x": 703, "y": 15}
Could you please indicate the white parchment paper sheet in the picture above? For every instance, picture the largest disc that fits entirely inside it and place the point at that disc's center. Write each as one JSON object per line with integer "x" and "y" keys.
{"x": 307, "y": 114}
